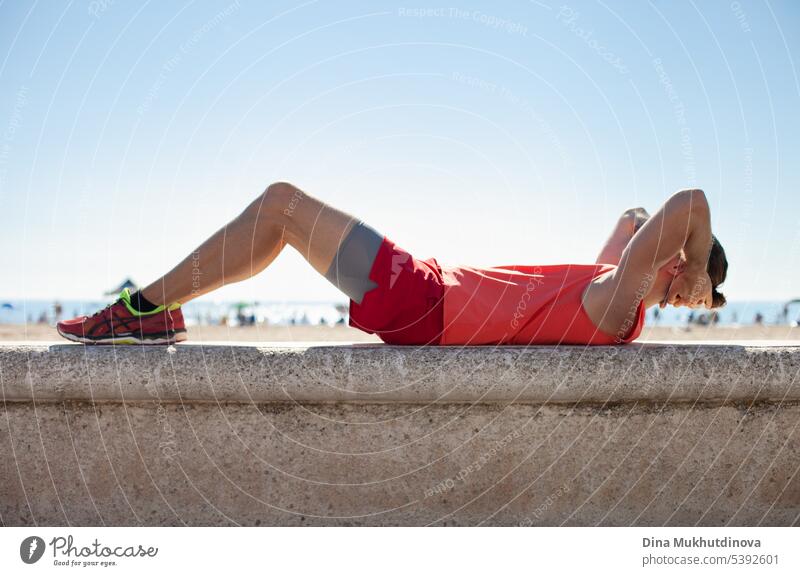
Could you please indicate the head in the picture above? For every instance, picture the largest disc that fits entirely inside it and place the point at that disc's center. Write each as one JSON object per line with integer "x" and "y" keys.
{"x": 717, "y": 271}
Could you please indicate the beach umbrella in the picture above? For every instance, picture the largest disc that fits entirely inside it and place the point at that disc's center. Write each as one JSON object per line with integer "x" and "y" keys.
{"x": 787, "y": 307}
{"x": 127, "y": 283}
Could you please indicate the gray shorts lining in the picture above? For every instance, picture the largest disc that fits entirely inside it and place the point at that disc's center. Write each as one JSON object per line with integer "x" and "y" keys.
{"x": 350, "y": 268}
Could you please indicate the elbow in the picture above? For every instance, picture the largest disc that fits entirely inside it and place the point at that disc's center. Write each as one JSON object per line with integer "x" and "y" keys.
{"x": 628, "y": 220}
{"x": 699, "y": 204}
{"x": 692, "y": 195}
{"x": 634, "y": 218}
{"x": 692, "y": 201}
{"x": 632, "y": 213}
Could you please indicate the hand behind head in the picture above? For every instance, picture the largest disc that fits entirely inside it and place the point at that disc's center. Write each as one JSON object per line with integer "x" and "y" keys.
{"x": 690, "y": 288}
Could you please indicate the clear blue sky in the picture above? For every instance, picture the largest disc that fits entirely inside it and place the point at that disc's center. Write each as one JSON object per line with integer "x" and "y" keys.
{"x": 479, "y": 133}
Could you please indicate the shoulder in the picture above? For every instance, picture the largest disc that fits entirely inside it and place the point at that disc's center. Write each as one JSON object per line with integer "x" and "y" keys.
{"x": 611, "y": 307}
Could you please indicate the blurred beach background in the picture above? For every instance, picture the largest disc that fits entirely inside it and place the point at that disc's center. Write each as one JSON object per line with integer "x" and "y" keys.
{"x": 22, "y": 320}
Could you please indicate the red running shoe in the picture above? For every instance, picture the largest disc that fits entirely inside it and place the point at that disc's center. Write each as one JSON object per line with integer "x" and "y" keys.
{"x": 120, "y": 323}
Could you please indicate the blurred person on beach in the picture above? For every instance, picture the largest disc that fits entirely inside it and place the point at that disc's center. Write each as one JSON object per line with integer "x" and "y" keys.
{"x": 671, "y": 258}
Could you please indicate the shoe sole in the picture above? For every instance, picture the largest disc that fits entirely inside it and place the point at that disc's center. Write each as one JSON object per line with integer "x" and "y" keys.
{"x": 123, "y": 340}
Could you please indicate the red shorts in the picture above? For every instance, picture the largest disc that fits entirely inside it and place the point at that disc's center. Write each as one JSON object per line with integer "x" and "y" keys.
{"x": 406, "y": 307}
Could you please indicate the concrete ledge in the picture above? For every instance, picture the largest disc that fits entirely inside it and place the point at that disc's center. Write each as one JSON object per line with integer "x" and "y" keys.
{"x": 322, "y": 373}
{"x": 648, "y": 434}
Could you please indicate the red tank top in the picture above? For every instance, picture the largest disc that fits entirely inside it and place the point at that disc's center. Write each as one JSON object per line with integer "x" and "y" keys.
{"x": 525, "y": 305}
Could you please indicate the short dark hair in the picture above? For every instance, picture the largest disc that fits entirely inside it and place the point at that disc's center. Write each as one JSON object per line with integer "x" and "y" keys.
{"x": 717, "y": 271}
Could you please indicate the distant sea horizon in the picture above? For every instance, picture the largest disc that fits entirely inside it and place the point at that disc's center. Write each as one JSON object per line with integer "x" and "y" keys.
{"x": 20, "y": 312}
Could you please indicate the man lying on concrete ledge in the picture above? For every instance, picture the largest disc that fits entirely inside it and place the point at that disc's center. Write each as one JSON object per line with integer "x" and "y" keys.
{"x": 669, "y": 258}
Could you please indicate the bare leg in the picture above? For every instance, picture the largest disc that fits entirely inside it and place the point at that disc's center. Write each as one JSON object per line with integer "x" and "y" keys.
{"x": 281, "y": 215}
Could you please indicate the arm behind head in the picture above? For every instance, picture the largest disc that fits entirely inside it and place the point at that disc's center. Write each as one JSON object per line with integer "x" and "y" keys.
{"x": 683, "y": 223}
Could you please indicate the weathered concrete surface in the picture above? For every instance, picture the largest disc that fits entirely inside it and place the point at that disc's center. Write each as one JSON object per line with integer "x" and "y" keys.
{"x": 378, "y": 373}
{"x": 639, "y": 435}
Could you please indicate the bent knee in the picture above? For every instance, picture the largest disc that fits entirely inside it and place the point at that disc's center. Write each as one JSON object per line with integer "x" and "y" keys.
{"x": 277, "y": 202}
{"x": 282, "y": 198}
